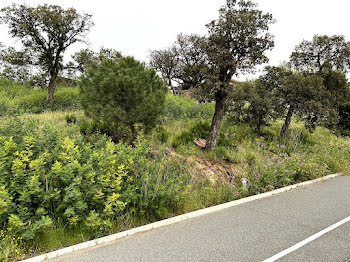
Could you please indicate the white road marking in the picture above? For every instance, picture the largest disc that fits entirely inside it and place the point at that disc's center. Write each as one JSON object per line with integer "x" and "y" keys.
{"x": 306, "y": 241}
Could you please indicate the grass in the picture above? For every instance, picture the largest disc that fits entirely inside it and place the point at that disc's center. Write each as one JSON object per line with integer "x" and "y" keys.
{"x": 57, "y": 118}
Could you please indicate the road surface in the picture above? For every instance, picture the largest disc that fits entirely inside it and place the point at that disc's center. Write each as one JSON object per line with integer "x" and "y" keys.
{"x": 254, "y": 231}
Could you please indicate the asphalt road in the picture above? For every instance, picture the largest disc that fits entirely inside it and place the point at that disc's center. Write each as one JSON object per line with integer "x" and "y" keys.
{"x": 253, "y": 231}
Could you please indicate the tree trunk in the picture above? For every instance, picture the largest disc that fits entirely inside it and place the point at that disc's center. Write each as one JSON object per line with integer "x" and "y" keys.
{"x": 133, "y": 133}
{"x": 287, "y": 121}
{"x": 214, "y": 133}
{"x": 172, "y": 88}
{"x": 258, "y": 128}
{"x": 52, "y": 86}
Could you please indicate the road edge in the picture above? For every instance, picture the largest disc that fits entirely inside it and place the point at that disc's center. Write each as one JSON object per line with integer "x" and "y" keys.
{"x": 170, "y": 221}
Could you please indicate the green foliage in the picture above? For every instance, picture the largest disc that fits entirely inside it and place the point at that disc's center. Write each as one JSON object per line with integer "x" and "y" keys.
{"x": 161, "y": 134}
{"x": 36, "y": 102}
{"x": 337, "y": 85}
{"x": 71, "y": 119}
{"x": 11, "y": 246}
{"x": 15, "y": 65}
{"x": 328, "y": 57}
{"x": 122, "y": 95}
{"x": 66, "y": 181}
{"x": 92, "y": 127}
{"x": 199, "y": 130}
{"x": 322, "y": 53}
{"x": 17, "y": 99}
{"x": 47, "y": 30}
{"x": 87, "y": 58}
{"x": 57, "y": 176}
{"x": 66, "y": 188}
{"x": 302, "y": 94}
{"x": 251, "y": 102}
{"x": 208, "y": 62}
{"x": 181, "y": 107}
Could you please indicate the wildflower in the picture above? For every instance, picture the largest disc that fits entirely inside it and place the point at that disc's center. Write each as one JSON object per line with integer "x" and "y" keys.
{"x": 258, "y": 176}
{"x": 294, "y": 172}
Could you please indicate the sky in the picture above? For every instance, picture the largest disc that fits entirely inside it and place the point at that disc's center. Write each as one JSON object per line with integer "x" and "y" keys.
{"x": 135, "y": 27}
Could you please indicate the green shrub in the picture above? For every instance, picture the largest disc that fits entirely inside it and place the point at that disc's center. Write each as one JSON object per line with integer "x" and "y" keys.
{"x": 123, "y": 94}
{"x": 92, "y": 127}
{"x": 52, "y": 177}
{"x": 10, "y": 89}
{"x": 71, "y": 119}
{"x": 161, "y": 134}
{"x": 64, "y": 180}
{"x": 201, "y": 129}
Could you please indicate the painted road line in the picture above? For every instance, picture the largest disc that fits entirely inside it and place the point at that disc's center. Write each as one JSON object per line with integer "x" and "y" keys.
{"x": 306, "y": 241}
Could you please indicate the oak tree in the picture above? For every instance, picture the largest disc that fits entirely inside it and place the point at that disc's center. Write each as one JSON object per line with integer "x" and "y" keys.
{"x": 47, "y": 30}
{"x": 298, "y": 93}
{"x": 237, "y": 41}
{"x": 165, "y": 62}
{"x": 329, "y": 57}
{"x": 183, "y": 64}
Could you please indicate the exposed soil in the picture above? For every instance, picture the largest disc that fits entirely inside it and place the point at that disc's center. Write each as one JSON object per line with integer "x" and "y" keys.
{"x": 212, "y": 169}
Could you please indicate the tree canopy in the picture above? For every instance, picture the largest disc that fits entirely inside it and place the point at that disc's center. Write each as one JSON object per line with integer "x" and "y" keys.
{"x": 86, "y": 58}
{"x": 322, "y": 53}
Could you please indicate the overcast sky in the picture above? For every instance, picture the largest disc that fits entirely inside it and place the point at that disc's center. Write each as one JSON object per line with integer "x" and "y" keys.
{"x": 136, "y": 26}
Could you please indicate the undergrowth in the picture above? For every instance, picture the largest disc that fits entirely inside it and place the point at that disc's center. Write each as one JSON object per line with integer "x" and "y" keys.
{"x": 63, "y": 181}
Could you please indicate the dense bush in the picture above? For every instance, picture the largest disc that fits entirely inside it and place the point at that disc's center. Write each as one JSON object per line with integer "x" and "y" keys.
{"x": 251, "y": 102}
{"x": 123, "y": 94}
{"x": 50, "y": 177}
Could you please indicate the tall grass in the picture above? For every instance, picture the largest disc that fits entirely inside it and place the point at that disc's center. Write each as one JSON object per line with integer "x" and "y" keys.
{"x": 17, "y": 99}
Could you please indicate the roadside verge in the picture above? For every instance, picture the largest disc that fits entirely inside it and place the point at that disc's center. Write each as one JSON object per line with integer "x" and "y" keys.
{"x": 170, "y": 221}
